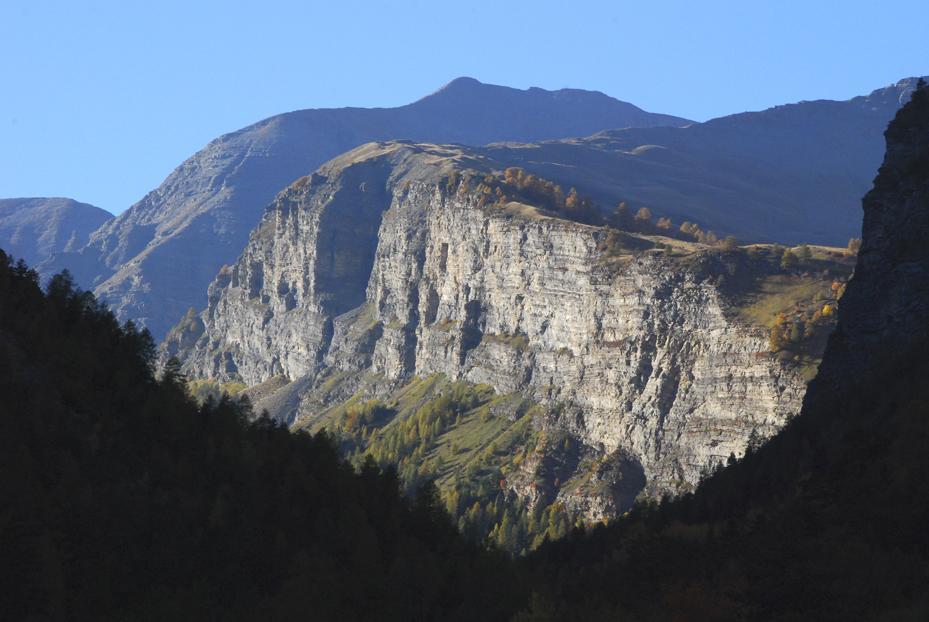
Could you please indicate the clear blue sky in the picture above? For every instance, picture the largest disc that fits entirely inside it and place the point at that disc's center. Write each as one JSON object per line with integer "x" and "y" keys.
{"x": 99, "y": 101}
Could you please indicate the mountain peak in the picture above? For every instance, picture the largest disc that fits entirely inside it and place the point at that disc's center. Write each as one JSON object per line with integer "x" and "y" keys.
{"x": 462, "y": 82}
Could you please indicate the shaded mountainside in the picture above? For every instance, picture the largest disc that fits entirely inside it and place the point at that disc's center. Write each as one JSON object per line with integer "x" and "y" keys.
{"x": 826, "y": 521}
{"x": 34, "y": 229}
{"x": 155, "y": 260}
{"x": 791, "y": 174}
{"x": 122, "y": 499}
{"x": 648, "y": 357}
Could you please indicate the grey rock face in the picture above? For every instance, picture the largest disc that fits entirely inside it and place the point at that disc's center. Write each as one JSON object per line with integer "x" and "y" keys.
{"x": 34, "y": 229}
{"x": 377, "y": 266}
{"x": 155, "y": 260}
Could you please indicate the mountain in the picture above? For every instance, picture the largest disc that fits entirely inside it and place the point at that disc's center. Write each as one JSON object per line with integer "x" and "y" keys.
{"x": 827, "y": 520}
{"x": 123, "y": 499}
{"x": 634, "y": 360}
{"x": 790, "y": 174}
{"x": 155, "y": 260}
{"x": 34, "y": 229}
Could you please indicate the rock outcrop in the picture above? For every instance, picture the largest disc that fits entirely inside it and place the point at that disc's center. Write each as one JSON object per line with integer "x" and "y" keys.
{"x": 882, "y": 328}
{"x": 387, "y": 264}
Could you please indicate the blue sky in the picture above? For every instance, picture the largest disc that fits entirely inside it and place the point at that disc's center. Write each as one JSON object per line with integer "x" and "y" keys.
{"x": 99, "y": 101}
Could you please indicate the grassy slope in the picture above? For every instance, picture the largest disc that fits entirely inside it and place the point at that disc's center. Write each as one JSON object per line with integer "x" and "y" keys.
{"x": 467, "y": 439}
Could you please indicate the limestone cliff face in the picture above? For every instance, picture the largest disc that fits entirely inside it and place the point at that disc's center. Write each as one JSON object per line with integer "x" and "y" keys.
{"x": 378, "y": 266}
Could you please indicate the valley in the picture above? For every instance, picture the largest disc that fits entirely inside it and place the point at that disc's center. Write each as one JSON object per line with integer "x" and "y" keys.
{"x": 500, "y": 354}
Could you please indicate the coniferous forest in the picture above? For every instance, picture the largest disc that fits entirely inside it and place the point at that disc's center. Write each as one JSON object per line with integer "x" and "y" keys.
{"x": 124, "y": 500}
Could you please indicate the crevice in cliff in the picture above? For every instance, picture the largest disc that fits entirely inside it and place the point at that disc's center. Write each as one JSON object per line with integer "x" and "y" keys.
{"x": 347, "y": 241}
{"x": 471, "y": 330}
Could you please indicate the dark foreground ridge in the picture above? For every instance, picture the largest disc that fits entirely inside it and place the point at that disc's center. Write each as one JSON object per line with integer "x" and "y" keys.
{"x": 123, "y": 500}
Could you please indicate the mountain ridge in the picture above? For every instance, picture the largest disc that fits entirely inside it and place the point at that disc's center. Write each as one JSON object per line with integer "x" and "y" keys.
{"x": 792, "y": 173}
{"x": 35, "y": 228}
{"x": 154, "y": 261}
{"x": 200, "y": 217}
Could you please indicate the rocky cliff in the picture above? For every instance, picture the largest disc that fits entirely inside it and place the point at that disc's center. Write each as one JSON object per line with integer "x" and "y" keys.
{"x": 389, "y": 264}
{"x": 882, "y": 330}
{"x": 827, "y": 521}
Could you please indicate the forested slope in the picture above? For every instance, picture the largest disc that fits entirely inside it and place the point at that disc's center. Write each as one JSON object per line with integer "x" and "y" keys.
{"x": 123, "y": 500}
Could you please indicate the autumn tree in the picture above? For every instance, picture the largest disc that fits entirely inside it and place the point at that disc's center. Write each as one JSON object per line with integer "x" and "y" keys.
{"x": 729, "y": 243}
{"x": 643, "y": 217}
{"x": 621, "y": 218}
{"x": 789, "y": 260}
{"x": 854, "y": 245}
{"x": 612, "y": 243}
{"x": 572, "y": 202}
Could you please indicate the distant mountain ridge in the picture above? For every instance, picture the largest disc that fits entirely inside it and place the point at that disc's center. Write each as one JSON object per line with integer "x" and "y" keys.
{"x": 35, "y": 228}
{"x": 791, "y": 173}
{"x": 155, "y": 260}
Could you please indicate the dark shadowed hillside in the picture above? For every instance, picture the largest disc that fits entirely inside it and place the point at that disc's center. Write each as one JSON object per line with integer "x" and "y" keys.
{"x": 121, "y": 499}
{"x": 793, "y": 173}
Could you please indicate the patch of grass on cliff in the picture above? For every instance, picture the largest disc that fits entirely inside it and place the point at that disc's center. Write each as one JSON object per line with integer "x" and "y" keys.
{"x": 518, "y": 341}
{"x": 465, "y": 438}
{"x": 795, "y": 301}
{"x": 781, "y": 293}
{"x": 202, "y": 390}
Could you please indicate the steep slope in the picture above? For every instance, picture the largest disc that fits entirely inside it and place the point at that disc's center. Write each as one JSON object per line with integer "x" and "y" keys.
{"x": 125, "y": 500}
{"x": 390, "y": 264}
{"x": 34, "y": 229}
{"x": 827, "y": 521}
{"x": 155, "y": 260}
{"x": 791, "y": 174}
